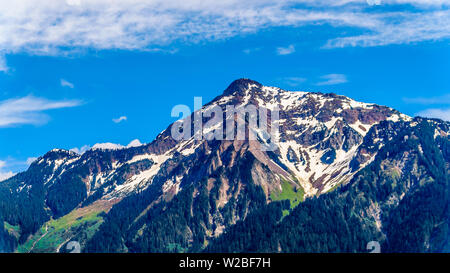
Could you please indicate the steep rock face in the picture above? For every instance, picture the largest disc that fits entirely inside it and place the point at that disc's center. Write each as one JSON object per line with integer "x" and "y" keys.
{"x": 192, "y": 190}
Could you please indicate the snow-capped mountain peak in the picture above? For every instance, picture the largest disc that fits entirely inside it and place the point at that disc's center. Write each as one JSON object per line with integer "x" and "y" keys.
{"x": 321, "y": 144}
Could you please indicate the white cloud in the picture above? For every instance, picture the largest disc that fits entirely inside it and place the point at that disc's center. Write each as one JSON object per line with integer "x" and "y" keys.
{"x": 445, "y": 99}
{"x": 30, "y": 160}
{"x": 65, "y": 83}
{"x": 286, "y": 50}
{"x": 440, "y": 113}
{"x": 11, "y": 166}
{"x": 332, "y": 79}
{"x": 118, "y": 120}
{"x": 81, "y": 150}
{"x": 73, "y": 2}
{"x": 134, "y": 143}
{"x": 4, "y": 174}
{"x": 294, "y": 81}
{"x": 107, "y": 146}
{"x": 59, "y": 27}
{"x": 401, "y": 28}
{"x": 114, "y": 146}
{"x": 443, "y": 114}
{"x": 29, "y": 110}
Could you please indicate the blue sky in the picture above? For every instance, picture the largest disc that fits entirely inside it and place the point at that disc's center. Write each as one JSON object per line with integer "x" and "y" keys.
{"x": 75, "y": 73}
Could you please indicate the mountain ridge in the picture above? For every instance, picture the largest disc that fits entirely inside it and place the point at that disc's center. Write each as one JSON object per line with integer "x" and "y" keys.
{"x": 324, "y": 141}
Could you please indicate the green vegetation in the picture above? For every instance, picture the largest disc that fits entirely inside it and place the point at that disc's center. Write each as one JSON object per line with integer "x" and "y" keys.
{"x": 335, "y": 187}
{"x": 13, "y": 230}
{"x": 176, "y": 248}
{"x": 55, "y": 232}
{"x": 289, "y": 192}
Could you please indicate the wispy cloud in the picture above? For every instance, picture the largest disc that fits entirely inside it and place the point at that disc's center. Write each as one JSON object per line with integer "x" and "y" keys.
{"x": 120, "y": 119}
{"x": 293, "y": 81}
{"x": 445, "y": 99}
{"x": 333, "y": 79}
{"x": 73, "y": 2}
{"x": 3, "y": 66}
{"x": 30, "y": 110}
{"x": 30, "y": 160}
{"x": 440, "y": 113}
{"x": 400, "y": 28}
{"x": 251, "y": 50}
{"x": 55, "y": 27}
{"x": 66, "y": 83}
{"x": 4, "y": 174}
{"x": 286, "y": 50}
{"x": 443, "y": 114}
{"x": 11, "y": 166}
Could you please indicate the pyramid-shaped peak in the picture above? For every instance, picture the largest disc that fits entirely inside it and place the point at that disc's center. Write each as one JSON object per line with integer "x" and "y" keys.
{"x": 241, "y": 86}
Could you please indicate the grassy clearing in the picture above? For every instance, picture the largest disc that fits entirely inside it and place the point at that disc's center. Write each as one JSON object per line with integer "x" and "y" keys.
{"x": 13, "y": 230}
{"x": 295, "y": 194}
{"x": 55, "y": 232}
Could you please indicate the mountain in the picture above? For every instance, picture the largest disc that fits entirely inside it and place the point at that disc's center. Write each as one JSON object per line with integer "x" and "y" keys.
{"x": 341, "y": 174}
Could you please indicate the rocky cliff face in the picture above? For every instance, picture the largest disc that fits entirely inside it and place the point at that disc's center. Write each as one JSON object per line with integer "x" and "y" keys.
{"x": 324, "y": 140}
